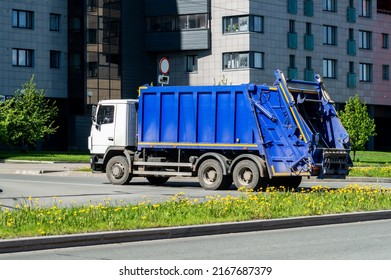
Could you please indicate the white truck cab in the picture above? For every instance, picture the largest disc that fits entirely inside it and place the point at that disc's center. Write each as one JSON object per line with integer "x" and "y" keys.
{"x": 113, "y": 126}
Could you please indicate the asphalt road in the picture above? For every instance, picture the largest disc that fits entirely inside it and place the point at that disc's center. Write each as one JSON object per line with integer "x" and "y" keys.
{"x": 355, "y": 241}
{"x": 78, "y": 188}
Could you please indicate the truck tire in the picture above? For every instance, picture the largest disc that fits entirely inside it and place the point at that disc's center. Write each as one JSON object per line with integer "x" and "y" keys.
{"x": 157, "y": 180}
{"x": 117, "y": 171}
{"x": 211, "y": 177}
{"x": 246, "y": 175}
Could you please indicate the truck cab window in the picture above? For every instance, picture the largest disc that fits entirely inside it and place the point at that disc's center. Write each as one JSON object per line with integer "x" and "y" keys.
{"x": 105, "y": 115}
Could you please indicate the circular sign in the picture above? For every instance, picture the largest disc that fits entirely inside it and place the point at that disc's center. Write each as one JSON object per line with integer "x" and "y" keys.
{"x": 164, "y": 65}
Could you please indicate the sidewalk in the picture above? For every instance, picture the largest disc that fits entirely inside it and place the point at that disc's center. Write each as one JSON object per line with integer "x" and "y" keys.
{"x": 42, "y": 167}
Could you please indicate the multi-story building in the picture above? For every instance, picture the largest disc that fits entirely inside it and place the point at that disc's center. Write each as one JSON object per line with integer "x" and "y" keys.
{"x": 114, "y": 46}
{"x": 34, "y": 41}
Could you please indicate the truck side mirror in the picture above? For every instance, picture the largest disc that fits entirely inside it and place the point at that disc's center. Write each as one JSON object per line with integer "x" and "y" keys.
{"x": 93, "y": 111}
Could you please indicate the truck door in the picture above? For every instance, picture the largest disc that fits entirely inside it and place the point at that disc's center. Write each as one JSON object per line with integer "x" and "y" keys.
{"x": 102, "y": 131}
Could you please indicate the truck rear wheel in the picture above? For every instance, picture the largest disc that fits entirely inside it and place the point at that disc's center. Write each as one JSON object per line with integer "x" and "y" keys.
{"x": 157, "y": 180}
{"x": 246, "y": 175}
{"x": 117, "y": 171}
{"x": 210, "y": 176}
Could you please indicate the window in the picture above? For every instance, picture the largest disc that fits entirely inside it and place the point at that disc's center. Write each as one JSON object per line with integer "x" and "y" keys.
{"x": 365, "y": 40}
{"x": 329, "y": 68}
{"x": 308, "y": 28}
{"x": 351, "y": 67}
{"x": 243, "y": 60}
{"x": 329, "y": 35}
{"x": 365, "y": 8}
{"x": 192, "y": 21}
{"x": 22, "y": 19}
{"x": 308, "y": 62}
{"x": 92, "y": 69}
{"x": 329, "y": 5}
{"x": 292, "y": 61}
{"x": 308, "y": 72}
{"x": 105, "y": 114}
{"x": 292, "y": 26}
{"x": 54, "y": 22}
{"x": 192, "y": 63}
{"x": 351, "y": 76}
{"x": 351, "y": 34}
{"x": 258, "y": 60}
{"x": 174, "y": 23}
{"x": 54, "y": 59}
{"x": 243, "y": 24}
{"x": 91, "y": 36}
{"x": 385, "y": 41}
{"x": 386, "y": 72}
{"x": 91, "y": 5}
{"x": 22, "y": 57}
{"x": 365, "y": 72}
{"x": 292, "y": 70}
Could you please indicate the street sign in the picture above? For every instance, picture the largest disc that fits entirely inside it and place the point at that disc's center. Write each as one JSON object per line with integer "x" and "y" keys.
{"x": 164, "y": 80}
{"x": 164, "y": 66}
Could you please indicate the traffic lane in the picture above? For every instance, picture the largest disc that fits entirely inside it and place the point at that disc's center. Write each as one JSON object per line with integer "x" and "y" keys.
{"x": 80, "y": 190}
{"x": 49, "y": 190}
{"x": 355, "y": 241}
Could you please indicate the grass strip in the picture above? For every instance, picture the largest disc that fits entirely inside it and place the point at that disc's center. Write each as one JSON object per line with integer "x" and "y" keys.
{"x": 31, "y": 219}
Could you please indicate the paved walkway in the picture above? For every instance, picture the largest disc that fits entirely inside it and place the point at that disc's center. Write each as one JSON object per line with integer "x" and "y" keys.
{"x": 41, "y": 167}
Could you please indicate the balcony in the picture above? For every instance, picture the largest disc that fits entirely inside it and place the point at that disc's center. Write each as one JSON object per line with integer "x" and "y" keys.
{"x": 351, "y": 47}
{"x": 351, "y": 80}
{"x": 351, "y": 14}
{"x": 292, "y": 40}
{"x": 309, "y": 8}
{"x": 292, "y": 73}
{"x": 309, "y": 75}
{"x": 309, "y": 42}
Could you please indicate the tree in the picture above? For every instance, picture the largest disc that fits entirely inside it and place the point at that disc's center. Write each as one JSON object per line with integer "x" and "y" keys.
{"x": 359, "y": 125}
{"x": 27, "y": 117}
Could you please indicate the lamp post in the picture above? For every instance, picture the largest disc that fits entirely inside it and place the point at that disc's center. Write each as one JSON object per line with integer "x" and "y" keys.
{"x": 89, "y": 94}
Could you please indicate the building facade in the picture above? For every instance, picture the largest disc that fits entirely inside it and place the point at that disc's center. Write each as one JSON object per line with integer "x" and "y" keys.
{"x": 83, "y": 51}
{"x": 347, "y": 42}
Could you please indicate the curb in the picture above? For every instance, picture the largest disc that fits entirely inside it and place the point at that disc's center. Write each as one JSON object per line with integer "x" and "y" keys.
{"x": 100, "y": 238}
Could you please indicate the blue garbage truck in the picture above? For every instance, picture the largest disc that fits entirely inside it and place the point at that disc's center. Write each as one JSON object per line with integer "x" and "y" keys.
{"x": 249, "y": 135}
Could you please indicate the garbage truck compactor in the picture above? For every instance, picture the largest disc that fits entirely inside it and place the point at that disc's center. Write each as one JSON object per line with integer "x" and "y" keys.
{"x": 251, "y": 135}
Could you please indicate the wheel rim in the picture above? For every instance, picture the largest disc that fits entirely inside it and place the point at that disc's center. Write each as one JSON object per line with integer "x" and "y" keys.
{"x": 245, "y": 176}
{"x": 210, "y": 175}
{"x": 118, "y": 170}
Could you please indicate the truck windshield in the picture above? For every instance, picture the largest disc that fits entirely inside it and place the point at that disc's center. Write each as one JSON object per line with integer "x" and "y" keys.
{"x": 105, "y": 114}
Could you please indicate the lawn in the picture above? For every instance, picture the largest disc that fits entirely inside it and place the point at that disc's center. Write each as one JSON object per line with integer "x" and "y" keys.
{"x": 30, "y": 219}
{"x": 46, "y": 156}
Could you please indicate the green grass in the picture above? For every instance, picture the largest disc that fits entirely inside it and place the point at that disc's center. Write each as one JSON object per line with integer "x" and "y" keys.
{"x": 31, "y": 219}
{"x": 372, "y": 157}
{"x": 46, "y": 156}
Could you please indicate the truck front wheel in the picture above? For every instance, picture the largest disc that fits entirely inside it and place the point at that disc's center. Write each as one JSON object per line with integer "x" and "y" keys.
{"x": 117, "y": 171}
{"x": 246, "y": 175}
{"x": 211, "y": 177}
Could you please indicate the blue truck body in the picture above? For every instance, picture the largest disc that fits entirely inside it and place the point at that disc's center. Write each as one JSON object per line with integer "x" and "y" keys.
{"x": 255, "y": 135}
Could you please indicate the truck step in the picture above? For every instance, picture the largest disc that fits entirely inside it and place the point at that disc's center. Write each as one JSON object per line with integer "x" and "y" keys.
{"x": 162, "y": 173}
{"x": 151, "y": 163}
